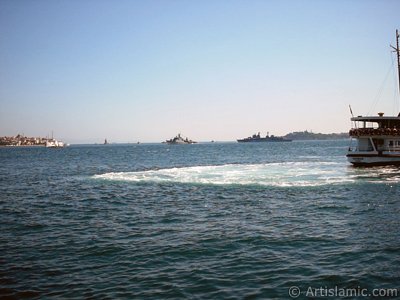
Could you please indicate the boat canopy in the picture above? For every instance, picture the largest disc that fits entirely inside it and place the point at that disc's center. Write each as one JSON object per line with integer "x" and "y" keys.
{"x": 382, "y": 121}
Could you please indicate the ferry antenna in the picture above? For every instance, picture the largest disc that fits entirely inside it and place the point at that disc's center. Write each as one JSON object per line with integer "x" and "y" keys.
{"x": 397, "y": 50}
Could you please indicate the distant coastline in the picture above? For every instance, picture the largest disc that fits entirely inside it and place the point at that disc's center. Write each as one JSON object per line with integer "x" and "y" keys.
{"x": 20, "y": 140}
{"x": 307, "y": 135}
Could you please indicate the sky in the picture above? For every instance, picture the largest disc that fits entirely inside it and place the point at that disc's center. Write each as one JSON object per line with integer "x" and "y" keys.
{"x": 145, "y": 71}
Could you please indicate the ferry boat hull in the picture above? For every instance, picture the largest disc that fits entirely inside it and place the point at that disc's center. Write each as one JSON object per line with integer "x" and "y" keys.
{"x": 365, "y": 160}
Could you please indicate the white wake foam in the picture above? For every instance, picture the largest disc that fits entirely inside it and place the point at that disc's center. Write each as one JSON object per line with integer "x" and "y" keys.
{"x": 271, "y": 174}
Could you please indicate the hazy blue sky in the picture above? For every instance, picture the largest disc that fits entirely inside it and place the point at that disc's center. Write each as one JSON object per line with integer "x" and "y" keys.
{"x": 212, "y": 70}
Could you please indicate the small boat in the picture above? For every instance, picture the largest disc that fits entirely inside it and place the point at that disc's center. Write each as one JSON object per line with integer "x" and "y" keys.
{"x": 257, "y": 138}
{"x": 105, "y": 142}
{"x": 377, "y": 137}
{"x": 179, "y": 140}
{"x": 53, "y": 143}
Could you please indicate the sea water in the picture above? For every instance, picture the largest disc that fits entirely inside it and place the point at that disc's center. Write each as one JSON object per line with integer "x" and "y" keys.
{"x": 202, "y": 221}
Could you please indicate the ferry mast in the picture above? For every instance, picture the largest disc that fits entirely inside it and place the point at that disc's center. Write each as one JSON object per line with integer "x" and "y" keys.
{"x": 397, "y": 50}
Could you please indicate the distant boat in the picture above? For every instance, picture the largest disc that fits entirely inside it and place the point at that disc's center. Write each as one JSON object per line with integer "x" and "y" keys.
{"x": 105, "y": 142}
{"x": 179, "y": 140}
{"x": 257, "y": 138}
{"x": 53, "y": 143}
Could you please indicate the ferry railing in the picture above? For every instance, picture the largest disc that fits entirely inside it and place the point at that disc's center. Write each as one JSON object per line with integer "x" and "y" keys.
{"x": 356, "y": 132}
{"x": 393, "y": 149}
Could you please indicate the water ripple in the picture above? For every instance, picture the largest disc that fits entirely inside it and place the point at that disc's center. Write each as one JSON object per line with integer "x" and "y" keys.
{"x": 209, "y": 221}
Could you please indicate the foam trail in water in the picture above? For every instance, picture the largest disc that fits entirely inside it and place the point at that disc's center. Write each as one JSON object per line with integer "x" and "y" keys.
{"x": 271, "y": 174}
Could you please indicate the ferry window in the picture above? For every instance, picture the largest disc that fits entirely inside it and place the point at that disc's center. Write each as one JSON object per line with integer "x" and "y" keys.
{"x": 391, "y": 143}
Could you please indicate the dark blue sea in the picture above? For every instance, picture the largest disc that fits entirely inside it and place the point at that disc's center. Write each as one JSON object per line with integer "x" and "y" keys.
{"x": 202, "y": 221}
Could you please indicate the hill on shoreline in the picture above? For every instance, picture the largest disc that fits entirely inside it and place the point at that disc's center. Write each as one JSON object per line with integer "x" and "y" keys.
{"x": 307, "y": 135}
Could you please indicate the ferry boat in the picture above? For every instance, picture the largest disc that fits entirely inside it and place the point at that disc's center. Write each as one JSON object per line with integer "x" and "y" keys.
{"x": 377, "y": 138}
{"x": 257, "y": 138}
{"x": 179, "y": 140}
